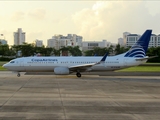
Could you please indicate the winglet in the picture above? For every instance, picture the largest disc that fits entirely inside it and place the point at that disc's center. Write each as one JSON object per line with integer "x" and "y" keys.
{"x": 104, "y": 57}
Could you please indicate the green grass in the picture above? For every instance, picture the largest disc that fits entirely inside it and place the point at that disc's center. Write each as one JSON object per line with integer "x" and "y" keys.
{"x": 1, "y": 63}
{"x": 141, "y": 69}
{"x": 2, "y": 69}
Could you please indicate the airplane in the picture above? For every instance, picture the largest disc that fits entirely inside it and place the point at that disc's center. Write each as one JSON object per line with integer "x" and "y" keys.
{"x": 135, "y": 56}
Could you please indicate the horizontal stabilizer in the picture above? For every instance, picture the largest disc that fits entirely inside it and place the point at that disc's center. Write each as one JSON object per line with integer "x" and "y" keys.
{"x": 145, "y": 58}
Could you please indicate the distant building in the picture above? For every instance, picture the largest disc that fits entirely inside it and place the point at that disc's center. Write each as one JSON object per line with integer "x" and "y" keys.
{"x": 59, "y": 41}
{"x": 158, "y": 40}
{"x": 121, "y": 42}
{"x": 3, "y": 42}
{"x": 154, "y": 41}
{"x": 132, "y": 39}
{"x": 19, "y": 37}
{"x": 129, "y": 40}
{"x": 88, "y": 45}
{"x": 53, "y": 43}
{"x": 125, "y": 38}
{"x": 39, "y": 43}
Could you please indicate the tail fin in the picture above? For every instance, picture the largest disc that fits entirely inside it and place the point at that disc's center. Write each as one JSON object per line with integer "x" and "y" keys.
{"x": 139, "y": 49}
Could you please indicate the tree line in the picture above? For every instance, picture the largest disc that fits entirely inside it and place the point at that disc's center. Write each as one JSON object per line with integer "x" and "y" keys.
{"x": 31, "y": 50}
{"x": 97, "y": 51}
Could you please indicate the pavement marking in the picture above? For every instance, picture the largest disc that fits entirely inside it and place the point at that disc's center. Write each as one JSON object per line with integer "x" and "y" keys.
{"x": 61, "y": 100}
{"x": 16, "y": 92}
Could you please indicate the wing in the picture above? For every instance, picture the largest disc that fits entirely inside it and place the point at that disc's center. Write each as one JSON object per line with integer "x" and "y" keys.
{"x": 84, "y": 67}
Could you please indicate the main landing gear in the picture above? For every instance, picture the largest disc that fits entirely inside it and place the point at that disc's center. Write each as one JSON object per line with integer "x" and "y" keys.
{"x": 78, "y": 74}
{"x": 18, "y": 74}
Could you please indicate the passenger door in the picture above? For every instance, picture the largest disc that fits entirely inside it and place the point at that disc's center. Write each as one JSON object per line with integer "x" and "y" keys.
{"x": 21, "y": 65}
{"x": 125, "y": 61}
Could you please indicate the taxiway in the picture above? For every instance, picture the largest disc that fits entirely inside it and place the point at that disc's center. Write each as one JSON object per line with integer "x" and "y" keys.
{"x": 91, "y": 97}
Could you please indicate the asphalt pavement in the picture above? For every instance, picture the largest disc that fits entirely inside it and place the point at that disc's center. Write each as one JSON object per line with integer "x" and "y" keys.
{"x": 91, "y": 97}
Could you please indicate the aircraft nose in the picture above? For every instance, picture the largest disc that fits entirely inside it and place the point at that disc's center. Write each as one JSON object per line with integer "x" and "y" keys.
{"x": 4, "y": 66}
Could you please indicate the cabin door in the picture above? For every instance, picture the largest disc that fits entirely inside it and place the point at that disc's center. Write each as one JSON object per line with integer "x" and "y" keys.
{"x": 21, "y": 63}
{"x": 125, "y": 61}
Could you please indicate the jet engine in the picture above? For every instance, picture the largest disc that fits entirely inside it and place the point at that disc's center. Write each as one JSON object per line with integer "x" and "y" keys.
{"x": 61, "y": 71}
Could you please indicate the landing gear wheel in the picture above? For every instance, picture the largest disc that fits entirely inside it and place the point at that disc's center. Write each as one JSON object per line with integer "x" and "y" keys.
{"x": 78, "y": 74}
{"x": 18, "y": 74}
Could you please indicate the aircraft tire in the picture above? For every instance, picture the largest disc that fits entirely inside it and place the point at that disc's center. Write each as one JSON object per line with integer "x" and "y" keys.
{"x": 78, "y": 74}
{"x": 18, "y": 75}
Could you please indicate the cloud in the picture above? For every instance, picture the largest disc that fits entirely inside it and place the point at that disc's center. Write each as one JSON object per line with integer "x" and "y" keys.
{"x": 32, "y": 36}
{"x": 153, "y": 7}
{"x": 108, "y": 20}
{"x": 17, "y": 16}
{"x": 86, "y": 20}
{"x": 37, "y": 14}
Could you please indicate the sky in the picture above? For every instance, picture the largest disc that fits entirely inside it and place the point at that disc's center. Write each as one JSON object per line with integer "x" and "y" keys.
{"x": 93, "y": 20}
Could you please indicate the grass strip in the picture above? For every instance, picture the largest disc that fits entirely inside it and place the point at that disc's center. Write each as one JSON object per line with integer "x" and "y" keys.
{"x": 141, "y": 69}
{"x": 2, "y": 69}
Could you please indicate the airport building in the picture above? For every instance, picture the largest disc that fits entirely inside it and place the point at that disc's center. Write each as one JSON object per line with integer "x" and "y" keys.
{"x": 59, "y": 41}
{"x": 88, "y": 45}
{"x": 19, "y": 37}
{"x": 39, "y": 43}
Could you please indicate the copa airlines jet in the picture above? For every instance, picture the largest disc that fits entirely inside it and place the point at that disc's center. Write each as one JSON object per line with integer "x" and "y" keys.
{"x": 66, "y": 65}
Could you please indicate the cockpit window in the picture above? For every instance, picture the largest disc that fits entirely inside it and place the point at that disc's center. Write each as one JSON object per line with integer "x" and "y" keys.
{"x": 12, "y": 62}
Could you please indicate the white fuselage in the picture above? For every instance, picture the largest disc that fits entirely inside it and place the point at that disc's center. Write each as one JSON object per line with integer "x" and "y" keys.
{"x": 47, "y": 64}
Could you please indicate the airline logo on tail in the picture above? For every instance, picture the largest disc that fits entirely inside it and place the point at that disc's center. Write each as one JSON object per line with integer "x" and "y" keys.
{"x": 139, "y": 49}
{"x": 136, "y": 51}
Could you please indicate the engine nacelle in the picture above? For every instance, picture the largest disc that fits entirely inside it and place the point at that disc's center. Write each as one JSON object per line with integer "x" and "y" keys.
{"x": 61, "y": 71}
